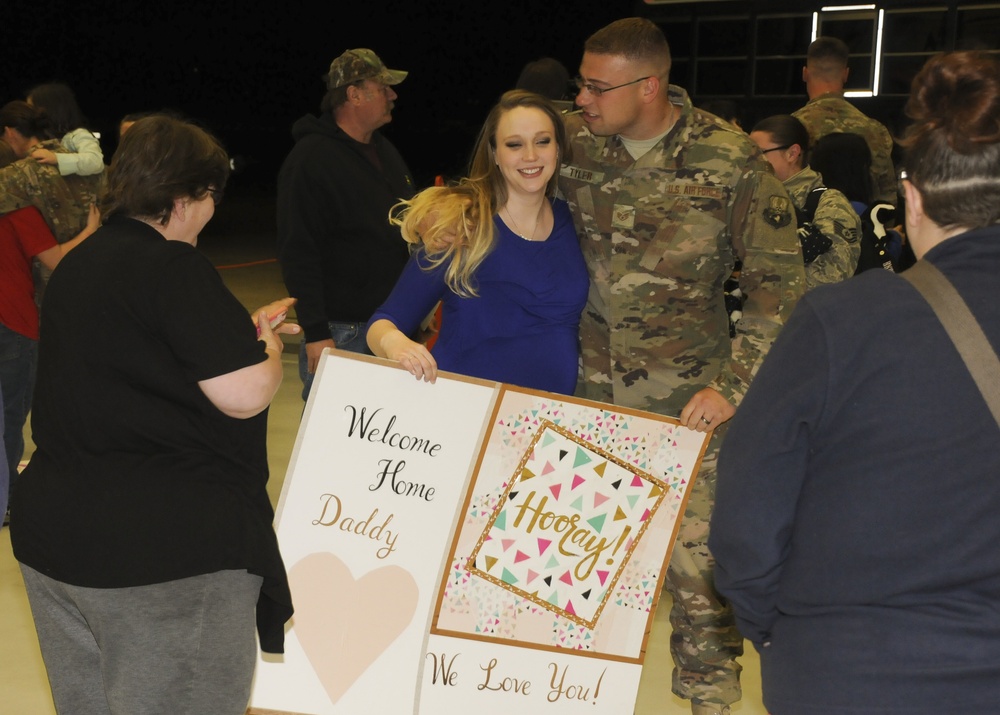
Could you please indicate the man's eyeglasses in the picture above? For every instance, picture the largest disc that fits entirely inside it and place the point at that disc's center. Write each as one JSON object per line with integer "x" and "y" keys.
{"x": 596, "y": 91}
{"x": 776, "y": 148}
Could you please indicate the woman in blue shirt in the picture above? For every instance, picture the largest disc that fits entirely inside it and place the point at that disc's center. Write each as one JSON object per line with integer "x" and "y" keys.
{"x": 501, "y": 255}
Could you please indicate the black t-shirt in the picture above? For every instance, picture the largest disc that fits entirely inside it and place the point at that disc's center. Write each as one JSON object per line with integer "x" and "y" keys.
{"x": 137, "y": 477}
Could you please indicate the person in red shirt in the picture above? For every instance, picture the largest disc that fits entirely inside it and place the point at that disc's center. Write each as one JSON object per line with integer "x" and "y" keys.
{"x": 24, "y": 235}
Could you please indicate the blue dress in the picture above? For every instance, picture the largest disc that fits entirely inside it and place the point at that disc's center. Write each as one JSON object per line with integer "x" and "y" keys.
{"x": 522, "y": 327}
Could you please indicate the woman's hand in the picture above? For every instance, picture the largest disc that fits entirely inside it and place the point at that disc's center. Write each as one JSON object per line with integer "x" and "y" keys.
{"x": 387, "y": 341}
{"x": 247, "y": 391}
{"x": 44, "y": 156}
{"x": 270, "y": 321}
{"x": 413, "y": 356}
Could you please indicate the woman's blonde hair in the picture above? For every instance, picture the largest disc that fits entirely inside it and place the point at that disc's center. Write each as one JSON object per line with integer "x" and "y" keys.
{"x": 455, "y": 223}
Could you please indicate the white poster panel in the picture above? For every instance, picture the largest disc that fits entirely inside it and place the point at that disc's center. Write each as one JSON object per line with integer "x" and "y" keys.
{"x": 559, "y": 559}
{"x": 365, "y": 517}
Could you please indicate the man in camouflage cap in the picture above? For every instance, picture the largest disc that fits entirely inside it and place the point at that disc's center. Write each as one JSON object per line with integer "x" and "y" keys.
{"x": 825, "y": 75}
{"x": 361, "y": 64}
{"x": 665, "y": 197}
{"x": 339, "y": 254}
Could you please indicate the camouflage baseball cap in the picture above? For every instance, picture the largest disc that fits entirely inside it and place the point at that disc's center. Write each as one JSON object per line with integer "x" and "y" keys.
{"x": 359, "y": 64}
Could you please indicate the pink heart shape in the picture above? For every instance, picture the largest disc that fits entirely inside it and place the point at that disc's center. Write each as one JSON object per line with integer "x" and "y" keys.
{"x": 344, "y": 624}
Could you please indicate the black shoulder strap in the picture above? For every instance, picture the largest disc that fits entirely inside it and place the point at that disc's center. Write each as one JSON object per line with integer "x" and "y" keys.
{"x": 963, "y": 329}
{"x": 812, "y": 202}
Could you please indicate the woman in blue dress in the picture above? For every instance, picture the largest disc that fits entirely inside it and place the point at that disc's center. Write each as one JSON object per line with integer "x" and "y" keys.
{"x": 501, "y": 255}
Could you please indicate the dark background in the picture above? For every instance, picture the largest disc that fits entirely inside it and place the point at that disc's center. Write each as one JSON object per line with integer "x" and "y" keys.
{"x": 247, "y": 70}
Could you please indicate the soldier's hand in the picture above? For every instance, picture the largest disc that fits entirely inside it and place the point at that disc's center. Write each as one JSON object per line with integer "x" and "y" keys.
{"x": 706, "y": 410}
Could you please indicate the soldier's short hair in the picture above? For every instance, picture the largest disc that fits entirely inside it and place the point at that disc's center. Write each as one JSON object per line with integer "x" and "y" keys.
{"x": 161, "y": 159}
{"x": 634, "y": 38}
{"x": 827, "y": 57}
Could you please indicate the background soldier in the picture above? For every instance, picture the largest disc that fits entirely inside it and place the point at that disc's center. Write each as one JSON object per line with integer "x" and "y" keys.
{"x": 664, "y": 198}
{"x": 825, "y": 75}
{"x": 829, "y": 227}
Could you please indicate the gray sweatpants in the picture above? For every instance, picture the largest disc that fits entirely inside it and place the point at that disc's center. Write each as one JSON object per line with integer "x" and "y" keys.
{"x": 184, "y": 647}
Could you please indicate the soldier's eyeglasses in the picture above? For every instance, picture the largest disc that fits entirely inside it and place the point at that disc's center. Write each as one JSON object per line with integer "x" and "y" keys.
{"x": 216, "y": 195}
{"x": 596, "y": 91}
{"x": 776, "y": 148}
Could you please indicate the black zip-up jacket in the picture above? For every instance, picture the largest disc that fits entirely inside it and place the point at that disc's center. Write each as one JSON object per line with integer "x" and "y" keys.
{"x": 339, "y": 254}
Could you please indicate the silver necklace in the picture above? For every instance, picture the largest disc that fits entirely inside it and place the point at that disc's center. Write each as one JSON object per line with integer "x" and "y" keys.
{"x": 517, "y": 230}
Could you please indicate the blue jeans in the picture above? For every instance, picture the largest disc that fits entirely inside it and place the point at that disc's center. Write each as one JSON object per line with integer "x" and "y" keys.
{"x": 17, "y": 382}
{"x": 346, "y": 336}
{"x": 4, "y": 469}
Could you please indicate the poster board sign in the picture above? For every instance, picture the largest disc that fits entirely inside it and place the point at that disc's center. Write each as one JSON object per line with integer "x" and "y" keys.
{"x": 470, "y": 545}
{"x": 363, "y": 521}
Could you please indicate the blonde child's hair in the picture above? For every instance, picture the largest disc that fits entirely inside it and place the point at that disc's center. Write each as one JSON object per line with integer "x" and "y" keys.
{"x": 455, "y": 226}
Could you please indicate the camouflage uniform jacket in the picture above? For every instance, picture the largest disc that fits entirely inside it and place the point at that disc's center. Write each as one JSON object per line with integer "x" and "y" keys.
{"x": 660, "y": 236}
{"x": 64, "y": 201}
{"x": 837, "y": 220}
{"x": 830, "y": 113}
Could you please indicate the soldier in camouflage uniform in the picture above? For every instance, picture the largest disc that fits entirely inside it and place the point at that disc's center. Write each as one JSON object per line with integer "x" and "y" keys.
{"x": 784, "y": 141}
{"x": 827, "y": 112}
{"x": 660, "y": 234}
{"x": 64, "y": 201}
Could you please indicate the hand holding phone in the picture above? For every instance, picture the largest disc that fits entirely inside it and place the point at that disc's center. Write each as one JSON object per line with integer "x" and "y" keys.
{"x": 274, "y": 320}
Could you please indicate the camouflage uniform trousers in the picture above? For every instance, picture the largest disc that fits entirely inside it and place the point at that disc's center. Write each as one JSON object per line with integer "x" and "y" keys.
{"x": 705, "y": 642}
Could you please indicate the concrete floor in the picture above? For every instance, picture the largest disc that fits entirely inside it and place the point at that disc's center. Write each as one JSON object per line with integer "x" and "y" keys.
{"x": 240, "y": 242}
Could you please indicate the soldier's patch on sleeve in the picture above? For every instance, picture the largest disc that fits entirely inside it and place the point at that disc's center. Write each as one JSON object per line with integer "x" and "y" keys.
{"x": 623, "y": 216}
{"x": 778, "y": 212}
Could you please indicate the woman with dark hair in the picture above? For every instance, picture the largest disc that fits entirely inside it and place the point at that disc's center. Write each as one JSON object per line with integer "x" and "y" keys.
{"x": 510, "y": 275}
{"x": 855, "y": 527}
{"x": 844, "y": 161}
{"x": 142, "y": 523}
{"x": 82, "y": 153}
{"x": 829, "y": 228}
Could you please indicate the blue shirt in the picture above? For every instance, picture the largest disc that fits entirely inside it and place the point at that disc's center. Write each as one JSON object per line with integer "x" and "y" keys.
{"x": 522, "y": 327}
